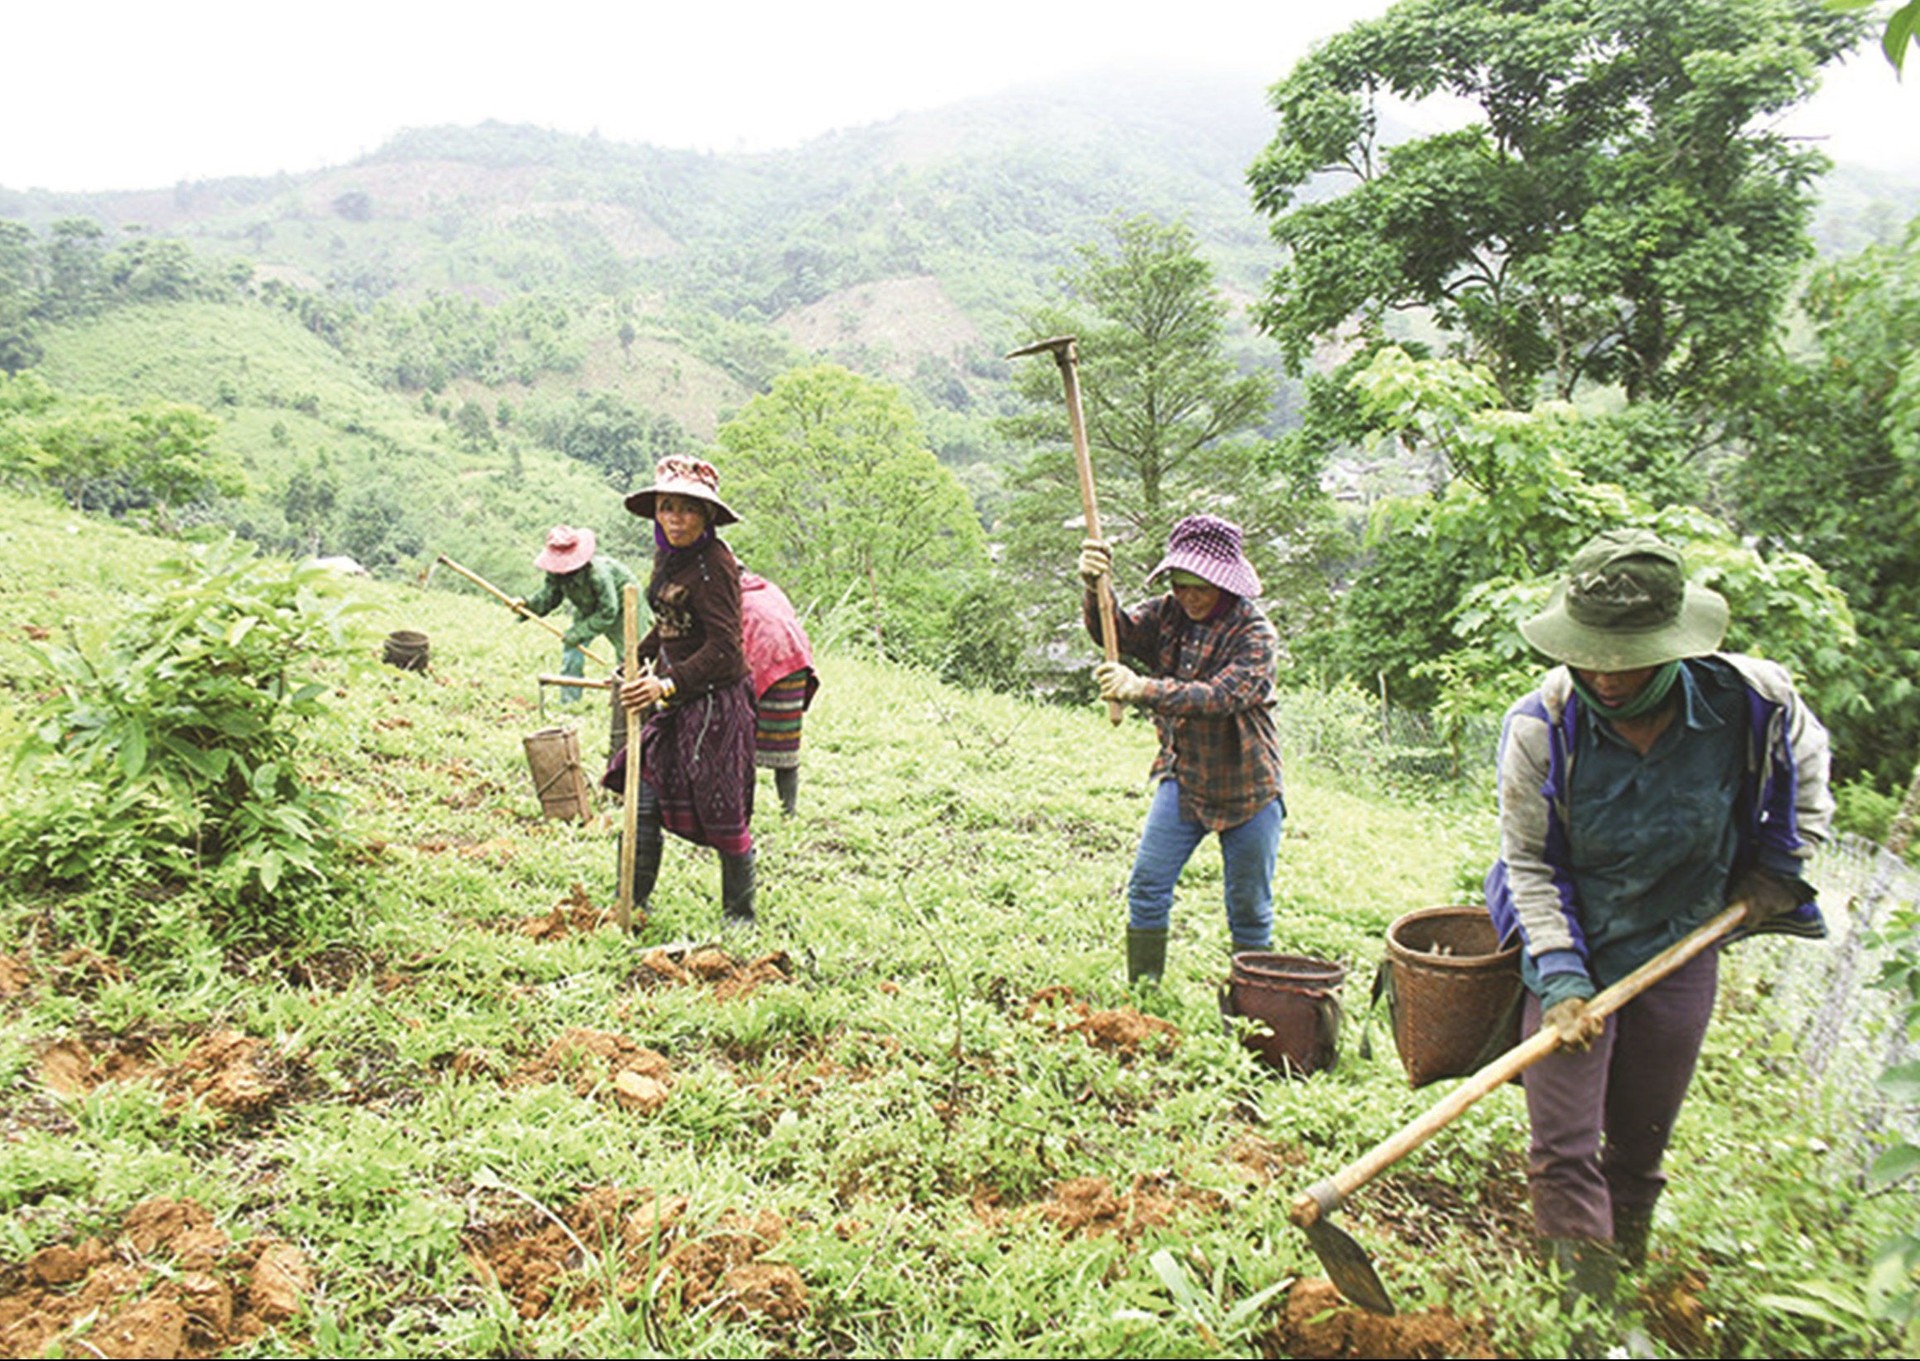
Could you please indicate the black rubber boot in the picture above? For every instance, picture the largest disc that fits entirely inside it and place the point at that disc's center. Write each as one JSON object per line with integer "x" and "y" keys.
{"x": 786, "y": 782}
{"x": 647, "y": 845}
{"x": 1146, "y": 955}
{"x": 737, "y": 889}
{"x": 1632, "y": 1225}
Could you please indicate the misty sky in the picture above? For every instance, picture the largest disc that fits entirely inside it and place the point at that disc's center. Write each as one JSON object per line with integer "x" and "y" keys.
{"x": 117, "y": 95}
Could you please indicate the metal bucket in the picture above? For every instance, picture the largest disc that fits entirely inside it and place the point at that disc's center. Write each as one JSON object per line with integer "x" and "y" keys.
{"x": 553, "y": 755}
{"x": 1296, "y": 998}
{"x": 406, "y": 650}
{"x": 1452, "y": 992}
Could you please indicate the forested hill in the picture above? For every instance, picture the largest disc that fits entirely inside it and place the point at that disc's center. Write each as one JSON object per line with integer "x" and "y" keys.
{"x": 987, "y": 197}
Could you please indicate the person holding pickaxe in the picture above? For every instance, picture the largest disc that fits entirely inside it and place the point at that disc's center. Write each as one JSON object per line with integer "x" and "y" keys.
{"x": 1209, "y": 654}
{"x": 585, "y": 579}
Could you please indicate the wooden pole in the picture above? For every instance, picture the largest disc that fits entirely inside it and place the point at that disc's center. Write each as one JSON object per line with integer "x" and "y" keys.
{"x": 630, "y": 806}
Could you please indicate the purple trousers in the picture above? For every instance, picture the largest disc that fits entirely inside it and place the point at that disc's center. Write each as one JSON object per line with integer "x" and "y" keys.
{"x": 1601, "y": 1119}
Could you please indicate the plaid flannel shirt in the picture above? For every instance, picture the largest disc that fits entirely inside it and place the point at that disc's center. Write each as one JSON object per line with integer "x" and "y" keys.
{"x": 1211, "y": 692}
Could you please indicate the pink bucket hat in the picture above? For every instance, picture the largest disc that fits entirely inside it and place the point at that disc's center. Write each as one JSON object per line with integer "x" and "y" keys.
{"x": 1209, "y": 547}
{"x": 568, "y": 549}
{"x": 683, "y": 475}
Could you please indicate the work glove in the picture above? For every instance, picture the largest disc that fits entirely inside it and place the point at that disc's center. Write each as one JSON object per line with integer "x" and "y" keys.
{"x": 1096, "y": 561}
{"x": 1563, "y": 1005}
{"x": 1578, "y": 1028}
{"x": 1119, "y": 682}
{"x": 1768, "y": 895}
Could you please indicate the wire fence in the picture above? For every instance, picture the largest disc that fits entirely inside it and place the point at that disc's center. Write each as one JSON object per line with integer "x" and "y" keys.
{"x": 1822, "y": 996}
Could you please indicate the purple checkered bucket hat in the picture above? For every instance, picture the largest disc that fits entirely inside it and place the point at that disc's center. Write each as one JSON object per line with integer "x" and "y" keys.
{"x": 1209, "y": 547}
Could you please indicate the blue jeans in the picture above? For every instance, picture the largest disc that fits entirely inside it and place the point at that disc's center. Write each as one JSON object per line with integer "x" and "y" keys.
{"x": 1247, "y": 853}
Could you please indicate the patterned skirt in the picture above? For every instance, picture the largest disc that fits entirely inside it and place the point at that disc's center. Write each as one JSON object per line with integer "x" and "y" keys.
{"x": 698, "y": 759}
{"x": 776, "y": 732}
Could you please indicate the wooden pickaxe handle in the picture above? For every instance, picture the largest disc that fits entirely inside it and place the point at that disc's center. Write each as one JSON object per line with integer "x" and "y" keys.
{"x": 1066, "y": 355}
{"x": 1324, "y": 1197}
{"x": 514, "y": 605}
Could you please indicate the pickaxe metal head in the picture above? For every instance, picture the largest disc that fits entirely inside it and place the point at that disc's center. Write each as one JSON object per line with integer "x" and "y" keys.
{"x": 1060, "y": 347}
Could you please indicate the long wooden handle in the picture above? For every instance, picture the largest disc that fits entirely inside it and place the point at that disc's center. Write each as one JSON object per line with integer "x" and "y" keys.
{"x": 1083, "y": 464}
{"x": 1309, "y": 1205}
{"x": 510, "y": 603}
{"x": 630, "y": 802}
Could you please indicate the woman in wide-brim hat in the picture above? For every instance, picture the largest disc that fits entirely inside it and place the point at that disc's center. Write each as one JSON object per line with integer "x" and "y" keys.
{"x": 1649, "y": 781}
{"x": 697, "y": 743}
{"x": 1207, "y": 655}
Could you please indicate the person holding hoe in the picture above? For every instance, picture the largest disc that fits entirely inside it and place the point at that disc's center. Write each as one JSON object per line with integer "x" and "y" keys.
{"x": 1647, "y": 783}
{"x": 696, "y": 747}
{"x": 1207, "y": 655}
{"x": 589, "y": 581}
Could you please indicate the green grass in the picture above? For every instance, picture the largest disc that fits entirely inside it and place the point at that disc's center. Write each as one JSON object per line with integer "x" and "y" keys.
{"x": 900, "y": 1103}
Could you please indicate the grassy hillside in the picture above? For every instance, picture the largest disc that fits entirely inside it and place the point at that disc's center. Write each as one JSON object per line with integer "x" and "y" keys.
{"x": 915, "y": 1112}
{"x": 403, "y": 485}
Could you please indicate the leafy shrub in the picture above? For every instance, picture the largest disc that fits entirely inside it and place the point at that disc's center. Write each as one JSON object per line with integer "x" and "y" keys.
{"x": 170, "y": 761}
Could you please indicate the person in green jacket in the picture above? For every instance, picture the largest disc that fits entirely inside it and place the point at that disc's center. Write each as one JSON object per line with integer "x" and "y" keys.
{"x": 592, "y": 584}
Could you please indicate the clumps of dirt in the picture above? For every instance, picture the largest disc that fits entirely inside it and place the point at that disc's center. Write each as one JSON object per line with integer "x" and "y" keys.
{"x": 709, "y": 964}
{"x": 233, "y": 1073}
{"x": 591, "y": 1061}
{"x": 1263, "y": 1162}
{"x": 172, "y": 1284}
{"x": 573, "y": 915}
{"x": 1122, "y": 1030}
{"x": 15, "y": 977}
{"x": 1317, "y": 1323}
{"x": 546, "y": 1260}
{"x": 1088, "y": 1207}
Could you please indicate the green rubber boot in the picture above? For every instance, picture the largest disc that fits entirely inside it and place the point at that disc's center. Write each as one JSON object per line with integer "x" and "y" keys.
{"x": 1146, "y": 955}
{"x": 1632, "y": 1225}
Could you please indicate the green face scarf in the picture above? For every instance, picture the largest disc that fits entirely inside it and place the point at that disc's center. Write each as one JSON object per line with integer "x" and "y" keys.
{"x": 1652, "y": 695}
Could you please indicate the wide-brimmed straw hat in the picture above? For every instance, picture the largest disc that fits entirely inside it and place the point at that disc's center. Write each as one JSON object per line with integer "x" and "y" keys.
{"x": 1209, "y": 547}
{"x": 1625, "y": 604}
{"x": 683, "y": 475}
{"x": 568, "y": 549}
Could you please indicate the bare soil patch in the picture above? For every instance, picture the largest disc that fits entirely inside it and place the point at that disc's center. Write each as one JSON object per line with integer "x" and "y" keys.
{"x": 15, "y": 976}
{"x": 172, "y": 1284}
{"x": 1318, "y": 1323}
{"x": 625, "y": 1239}
{"x": 598, "y": 1062}
{"x": 1121, "y": 1030}
{"x": 572, "y": 915}
{"x": 233, "y": 1073}
{"x": 1088, "y": 1207}
{"x": 709, "y": 965}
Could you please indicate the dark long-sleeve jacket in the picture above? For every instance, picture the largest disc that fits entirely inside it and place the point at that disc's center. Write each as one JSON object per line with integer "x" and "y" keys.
{"x": 695, "y": 639}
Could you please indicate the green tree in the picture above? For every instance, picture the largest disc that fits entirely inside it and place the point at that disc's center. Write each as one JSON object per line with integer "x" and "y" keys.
{"x": 74, "y": 286}
{"x": 840, "y": 497}
{"x": 1620, "y": 212}
{"x": 1505, "y": 524}
{"x": 1168, "y": 416}
{"x": 1832, "y": 469}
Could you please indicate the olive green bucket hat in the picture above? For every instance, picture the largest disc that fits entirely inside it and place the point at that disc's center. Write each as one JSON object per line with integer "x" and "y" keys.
{"x": 1625, "y": 604}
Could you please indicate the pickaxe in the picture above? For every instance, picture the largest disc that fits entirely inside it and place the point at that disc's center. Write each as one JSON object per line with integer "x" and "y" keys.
{"x": 1064, "y": 353}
